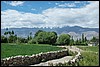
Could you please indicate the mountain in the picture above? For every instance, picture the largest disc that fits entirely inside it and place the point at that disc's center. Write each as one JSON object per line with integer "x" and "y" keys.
{"x": 74, "y": 31}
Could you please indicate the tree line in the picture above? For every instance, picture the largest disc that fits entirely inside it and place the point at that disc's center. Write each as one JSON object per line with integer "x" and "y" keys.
{"x": 44, "y": 37}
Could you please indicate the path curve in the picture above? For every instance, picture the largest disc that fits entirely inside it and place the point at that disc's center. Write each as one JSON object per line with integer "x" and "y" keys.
{"x": 60, "y": 60}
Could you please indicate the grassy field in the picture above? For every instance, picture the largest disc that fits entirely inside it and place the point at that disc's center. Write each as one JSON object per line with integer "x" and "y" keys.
{"x": 89, "y": 48}
{"x": 90, "y": 56}
{"x": 12, "y": 49}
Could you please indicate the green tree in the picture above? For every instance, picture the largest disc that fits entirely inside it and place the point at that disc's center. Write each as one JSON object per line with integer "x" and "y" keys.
{"x": 82, "y": 38}
{"x": 46, "y": 37}
{"x": 36, "y": 34}
{"x": 71, "y": 41}
{"x": 32, "y": 41}
{"x": 6, "y": 33}
{"x": 85, "y": 39}
{"x": 3, "y": 39}
{"x": 41, "y": 37}
{"x": 12, "y": 32}
{"x": 94, "y": 39}
{"x": 30, "y": 35}
{"x": 64, "y": 39}
{"x": 77, "y": 42}
{"x": 52, "y": 37}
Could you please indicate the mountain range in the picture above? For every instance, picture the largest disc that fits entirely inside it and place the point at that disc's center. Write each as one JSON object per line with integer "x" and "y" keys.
{"x": 75, "y": 31}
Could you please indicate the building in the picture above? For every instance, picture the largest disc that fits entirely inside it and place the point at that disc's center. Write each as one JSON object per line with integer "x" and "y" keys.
{"x": 92, "y": 44}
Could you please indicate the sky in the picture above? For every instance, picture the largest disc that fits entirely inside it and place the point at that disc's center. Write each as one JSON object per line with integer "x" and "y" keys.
{"x": 30, "y": 14}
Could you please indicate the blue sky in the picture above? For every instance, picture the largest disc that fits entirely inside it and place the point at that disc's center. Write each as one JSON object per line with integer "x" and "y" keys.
{"x": 17, "y": 14}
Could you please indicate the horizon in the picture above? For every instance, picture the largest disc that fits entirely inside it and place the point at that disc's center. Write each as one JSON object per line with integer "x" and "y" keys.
{"x": 49, "y": 14}
{"x": 48, "y": 27}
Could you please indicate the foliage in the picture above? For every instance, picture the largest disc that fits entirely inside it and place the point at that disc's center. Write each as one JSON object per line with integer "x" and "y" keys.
{"x": 3, "y": 39}
{"x": 36, "y": 34}
{"x": 32, "y": 41}
{"x": 94, "y": 39}
{"x": 71, "y": 41}
{"x": 83, "y": 38}
{"x": 44, "y": 37}
{"x": 64, "y": 39}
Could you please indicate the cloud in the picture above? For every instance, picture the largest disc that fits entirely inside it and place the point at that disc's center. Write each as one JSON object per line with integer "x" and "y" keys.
{"x": 33, "y": 9}
{"x": 67, "y": 5}
{"x": 56, "y": 3}
{"x": 14, "y": 3}
{"x": 15, "y": 19}
{"x": 87, "y": 16}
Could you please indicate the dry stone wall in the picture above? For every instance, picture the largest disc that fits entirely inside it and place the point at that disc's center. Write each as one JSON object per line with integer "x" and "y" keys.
{"x": 35, "y": 58}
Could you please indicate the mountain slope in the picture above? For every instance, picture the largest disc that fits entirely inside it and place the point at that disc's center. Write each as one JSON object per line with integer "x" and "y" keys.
{"x": 74, "y": 31}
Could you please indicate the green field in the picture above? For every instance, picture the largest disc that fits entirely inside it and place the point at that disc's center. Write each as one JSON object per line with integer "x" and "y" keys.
{"x": 90, "y": 48}
{"x": 90, "y": 56}
{"x": 12, "y": 49}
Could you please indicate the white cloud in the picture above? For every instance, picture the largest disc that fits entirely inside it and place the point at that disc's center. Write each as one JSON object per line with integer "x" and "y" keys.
{"x": 56, "y": 3}
{"x": 14, "y": 3}
{"x": 33, "y": 9}
{"x": 77, "y": 2}
{"x": 87, "y": 16}
{"x": 67, "y": 5}
{"x": 13, "y": 18}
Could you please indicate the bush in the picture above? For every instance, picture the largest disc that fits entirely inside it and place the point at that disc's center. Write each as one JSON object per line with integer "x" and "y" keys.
{"x": 32, "y": 41}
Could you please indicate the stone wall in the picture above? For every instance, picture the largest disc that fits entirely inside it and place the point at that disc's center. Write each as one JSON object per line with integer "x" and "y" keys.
{"x": 29, "y": 60}
{"x": 75, "y": 59}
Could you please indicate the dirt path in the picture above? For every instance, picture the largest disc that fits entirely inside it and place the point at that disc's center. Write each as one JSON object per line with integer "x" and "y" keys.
{"x": 74, "y": 48}
{"x": 60, "y": 60}
{"x": 55, "y": 61}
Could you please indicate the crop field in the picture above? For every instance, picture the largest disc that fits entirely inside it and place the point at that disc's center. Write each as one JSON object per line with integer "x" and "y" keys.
{"x": 12, "y": 49}
{"x": 90, "y": 56}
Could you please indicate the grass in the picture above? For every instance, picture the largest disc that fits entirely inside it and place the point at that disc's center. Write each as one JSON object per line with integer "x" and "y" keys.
{"x": 89, "y": 48}
{"x": 12, "y": 49}
{"x": 90, "y": 57}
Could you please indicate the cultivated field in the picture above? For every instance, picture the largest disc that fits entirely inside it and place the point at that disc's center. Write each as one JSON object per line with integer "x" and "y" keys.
{"x": 13, "y": 49}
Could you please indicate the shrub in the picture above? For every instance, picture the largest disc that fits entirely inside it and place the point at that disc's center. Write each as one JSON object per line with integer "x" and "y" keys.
{"x": 32, "y": 41}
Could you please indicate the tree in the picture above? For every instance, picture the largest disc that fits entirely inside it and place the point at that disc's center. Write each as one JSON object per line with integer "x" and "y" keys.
{"x": 71, "y": 41}
{"x": 3, "y": 39}
{"x": 46, "y": 37}
{"x": 94, "y": 39}
{"x": 36, "y": 34}
{"x": 77, "y": 42}
{"x": 64, "y": 39}
{"x": 80, "y": 41}
{"x": 41, "y": 37}
{"x": 52, "y": 37}
{"x": 12, "y": 32}
{"x": 32, "y": 41}
{"x": 83, "y": 38}
{"x": 30, "y": 35}
{"x": 6, "y": 33}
